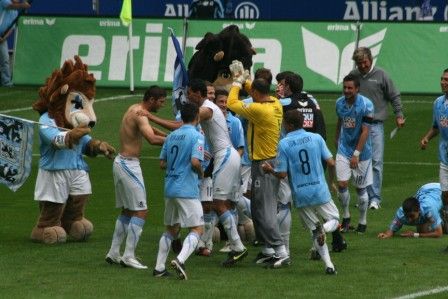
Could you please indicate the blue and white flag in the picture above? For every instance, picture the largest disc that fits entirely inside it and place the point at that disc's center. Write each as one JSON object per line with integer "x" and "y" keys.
{"x": 180, "y": 80}
{"x": 16, "y": 145}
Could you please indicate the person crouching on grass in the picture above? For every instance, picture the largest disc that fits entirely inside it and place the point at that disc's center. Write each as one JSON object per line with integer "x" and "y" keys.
{"x": 422, "y": 211}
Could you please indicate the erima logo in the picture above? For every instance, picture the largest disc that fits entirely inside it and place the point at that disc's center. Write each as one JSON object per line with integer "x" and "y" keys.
{"x": 323, "y": 56}
{"x": 50, "y": 22}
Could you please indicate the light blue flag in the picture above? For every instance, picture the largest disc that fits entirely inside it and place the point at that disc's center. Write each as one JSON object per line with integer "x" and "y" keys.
{"x": 16, "y": 146}
{"x": 180, "y": 80}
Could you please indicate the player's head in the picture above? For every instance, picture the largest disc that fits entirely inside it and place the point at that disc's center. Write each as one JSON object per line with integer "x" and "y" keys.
{"x": 264, "y": 73}
{"x": 221, "y": 100}
{"x": 293, "y": 120}
{"x": 189, "y": 113}
{"x": 259, "y": 90}
{"x": 155, "y": 96}
{"x": 293, "y": 84}
{"x": 350, "y": 87}
{"x": 444, "y": 81}
{"x": 363, "y": 59}
{"x": 210, "y": 91}
{"x": 197, "y": 91}
{"x": 411, "y": 209}
{"x": 280, "y": 88}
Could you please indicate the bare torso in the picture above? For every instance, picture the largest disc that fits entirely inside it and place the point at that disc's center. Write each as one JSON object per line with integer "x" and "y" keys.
{"x": 130, "y": 135}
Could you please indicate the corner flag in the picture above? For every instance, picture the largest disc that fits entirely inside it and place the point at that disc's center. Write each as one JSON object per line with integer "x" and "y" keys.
{"x": 180, "y": 80}
{"x": 126, "y": 12}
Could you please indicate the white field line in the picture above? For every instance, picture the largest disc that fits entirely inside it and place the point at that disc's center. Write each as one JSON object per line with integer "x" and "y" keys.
{"x": 424, "y": 293}
{"x": 120, "y": 97}
{"x": 139, "y": 95}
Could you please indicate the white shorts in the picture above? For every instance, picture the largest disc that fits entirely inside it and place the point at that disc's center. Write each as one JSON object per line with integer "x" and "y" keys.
{"x": 361, "y": 176}
{"x": 56, "y": 186}
{"x": 206, "y": 189}
{"x": 130, "y": 192}
{"x": 284, "y": 195}
{"x": 186, "y": 212}
{"x": 226, "y": 174}
{"x": 443, "y": 177}
{"x": 309, "y": 215}
{"x": 245, "y": 178}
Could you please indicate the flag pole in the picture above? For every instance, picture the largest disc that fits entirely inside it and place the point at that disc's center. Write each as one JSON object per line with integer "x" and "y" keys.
{"x": 131, "y": 60}
{"x": 33, "y": 122}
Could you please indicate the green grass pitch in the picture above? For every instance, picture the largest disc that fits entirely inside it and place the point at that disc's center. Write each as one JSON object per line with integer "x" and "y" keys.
{"x": 370, "y": 268}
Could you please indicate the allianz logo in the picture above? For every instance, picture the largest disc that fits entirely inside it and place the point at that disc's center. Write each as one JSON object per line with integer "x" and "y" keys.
{"x": 324, "y": 57}
{"x": 39, "y": 21}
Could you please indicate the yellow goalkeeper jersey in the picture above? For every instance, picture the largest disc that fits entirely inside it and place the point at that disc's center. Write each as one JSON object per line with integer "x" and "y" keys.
{"x": 265, "y": 119}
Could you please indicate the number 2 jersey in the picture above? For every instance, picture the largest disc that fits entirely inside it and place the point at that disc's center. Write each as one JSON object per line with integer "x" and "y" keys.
{"x": 179, "y": 148}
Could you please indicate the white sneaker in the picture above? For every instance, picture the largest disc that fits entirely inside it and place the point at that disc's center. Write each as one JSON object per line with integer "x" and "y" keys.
{"x": 132, "y": 262}
{"x": 374, "y": 205}
{"x": 113, "y": 259}
{"x": 226, "y": 248}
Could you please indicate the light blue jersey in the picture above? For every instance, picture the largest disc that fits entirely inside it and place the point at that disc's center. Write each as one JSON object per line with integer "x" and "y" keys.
{"x": 245, "y": 161}
{"x": 7, "y": 16}
{"x": 300, "y": 154}
{"x": 179, "y": 148}
{"x": 440, "y": 122}
{"x": 429, "y": 198}
{"x": 235, "y": 131}
{"x": 352, "y": 119}
{"x": 52, "y": 158}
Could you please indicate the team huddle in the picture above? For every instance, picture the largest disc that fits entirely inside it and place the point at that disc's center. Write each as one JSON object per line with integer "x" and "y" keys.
{"x": 243, "y": 161}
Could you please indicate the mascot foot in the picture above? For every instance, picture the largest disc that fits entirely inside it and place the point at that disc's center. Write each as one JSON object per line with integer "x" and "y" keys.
{"x": 81, "y": 230}
{"x": 49, "y": 235}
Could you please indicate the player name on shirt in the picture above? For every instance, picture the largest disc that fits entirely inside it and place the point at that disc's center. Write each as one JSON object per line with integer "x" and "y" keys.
{"x": 299, "y": 141}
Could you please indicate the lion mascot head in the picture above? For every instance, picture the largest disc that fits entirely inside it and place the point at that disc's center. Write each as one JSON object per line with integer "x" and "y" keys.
{"x": 68, "y": 95}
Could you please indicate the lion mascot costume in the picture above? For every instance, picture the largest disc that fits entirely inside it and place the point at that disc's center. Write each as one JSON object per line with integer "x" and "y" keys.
{"x": 63, "y": 184}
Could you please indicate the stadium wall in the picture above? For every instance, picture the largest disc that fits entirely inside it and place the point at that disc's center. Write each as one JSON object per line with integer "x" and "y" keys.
{"x": 414, "y": 54}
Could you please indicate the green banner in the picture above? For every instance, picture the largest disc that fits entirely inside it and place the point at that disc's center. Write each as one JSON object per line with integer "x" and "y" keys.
{"x": 414, "y": 55}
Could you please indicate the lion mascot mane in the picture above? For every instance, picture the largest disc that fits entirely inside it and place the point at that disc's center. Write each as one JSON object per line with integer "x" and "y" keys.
{"x": 63, "y": 184}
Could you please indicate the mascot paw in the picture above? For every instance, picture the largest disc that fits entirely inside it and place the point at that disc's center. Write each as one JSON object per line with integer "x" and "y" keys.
{"x": 81, "y": 230}
{"x": 49, "y": 235}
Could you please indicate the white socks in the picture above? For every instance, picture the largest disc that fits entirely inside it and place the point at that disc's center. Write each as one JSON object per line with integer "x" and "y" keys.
{"x": 344, "y": 196}
{"x": 188, "y": 247}
{"x": 164, "y": 249}
{"x": 135, "y": 229}
{"x": 121, "y": 227}
{"x": 228, "y": 222}
{"x": 284, "y": 223}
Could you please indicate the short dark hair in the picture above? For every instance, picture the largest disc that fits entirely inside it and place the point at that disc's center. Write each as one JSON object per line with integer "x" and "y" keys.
{"x": 294, "y": 118}
{"x": 350, "y": 77}
{"x": 264, "y": 73}
{"x": 445, "y": 70}
{"x": 261, "y": 86}
{"x": 198, "y": 85}
{"x": 221, "y": 92}
{"x": 282, "y": 75}
{"x": 410, "y": 205}
{"x": 154, "y": 92}
{"x": 189, "y": 112}
{"x": 208, "y": 83}
{"x": 295, "y": 82}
